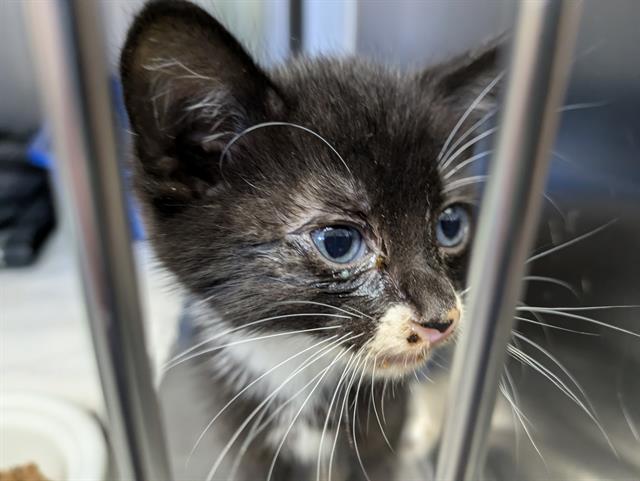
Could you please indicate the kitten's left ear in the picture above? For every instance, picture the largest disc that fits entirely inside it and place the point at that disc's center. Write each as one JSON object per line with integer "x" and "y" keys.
{"x": 459, "y": 82}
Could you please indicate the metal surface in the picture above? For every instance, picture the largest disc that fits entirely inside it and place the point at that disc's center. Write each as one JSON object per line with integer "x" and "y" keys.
{"x": 540, "y": 61}
{"x": 73, "y": 75}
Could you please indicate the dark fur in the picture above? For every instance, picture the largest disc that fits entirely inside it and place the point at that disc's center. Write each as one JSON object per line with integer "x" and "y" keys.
{"x": 235, "y": 230}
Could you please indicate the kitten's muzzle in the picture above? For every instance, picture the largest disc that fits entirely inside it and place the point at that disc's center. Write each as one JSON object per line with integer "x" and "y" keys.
{"x": 435, "y": 330}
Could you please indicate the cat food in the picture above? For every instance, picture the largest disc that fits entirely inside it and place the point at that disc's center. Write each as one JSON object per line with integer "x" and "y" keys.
{"x": 27, "y": 472}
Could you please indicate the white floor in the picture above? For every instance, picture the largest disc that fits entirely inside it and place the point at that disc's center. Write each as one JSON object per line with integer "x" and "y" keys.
{"x": 45, "y": 343}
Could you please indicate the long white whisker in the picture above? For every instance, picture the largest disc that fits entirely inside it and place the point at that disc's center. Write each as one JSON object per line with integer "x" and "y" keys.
{"x": 576, "y": 316}
{"x": 583, "y": 105}
{"x": 540, "y": 323}
{"x": 355, "y": 414}
{"x": 469, "y": 131}
{"x": 316, "y": 303}
{"x": 555, "y": 206}
{"x": 382, "y": 397}
{"x": 375, "y": 409}
{"x": 326, "y": 421}
{"x": 552, "y": 280}
{"x": 456, "y": 184}
{"x": 467, "y": 112}
{"x": 249, "y": 324}
{"x": 324, "y": 372}
{"x": 262, "y": 425}
{"x": 628, "y": 418}
{"x": 280, "y": 124}
{"x": 591, "y": 412}
{"x": 590, "y": 308}
{"x": 522, "y": 419}
{"x": 548, "y": 374}
{"x": 244, "y": 341}
{"x": 570, "y": 242}
{"x": 466, "y": 145}
{"x": 241, "y": 428}
{"x": 344, "y": 402}
{"x": 514, "y": 398}
{"x": 466, "y": 162}
{"x": 247, "y": 387}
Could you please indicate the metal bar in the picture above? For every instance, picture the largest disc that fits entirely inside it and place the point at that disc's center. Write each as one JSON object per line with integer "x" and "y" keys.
{"x": 73, "y": 74}
{"x": 296, "y": 26}
{"x": 540, "y": 61}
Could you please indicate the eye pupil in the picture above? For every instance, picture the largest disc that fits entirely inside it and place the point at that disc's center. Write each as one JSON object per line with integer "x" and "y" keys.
{"x": 337, "y": 242}
{"x": 452, "y": 226}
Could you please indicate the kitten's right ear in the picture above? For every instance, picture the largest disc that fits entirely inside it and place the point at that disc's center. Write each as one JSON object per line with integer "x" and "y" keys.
{"x": 189, "y": 86}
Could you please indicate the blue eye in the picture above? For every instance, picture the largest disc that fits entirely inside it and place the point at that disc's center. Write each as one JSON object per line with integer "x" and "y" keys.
{"x": 452, "y": 228}
{"x": 339, "y": 243}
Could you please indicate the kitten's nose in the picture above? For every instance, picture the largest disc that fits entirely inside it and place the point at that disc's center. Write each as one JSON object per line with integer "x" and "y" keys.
{"x": 437, "y": 329}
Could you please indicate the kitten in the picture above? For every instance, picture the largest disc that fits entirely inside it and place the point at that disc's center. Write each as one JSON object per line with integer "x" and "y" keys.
{"x": 311, "y": 215}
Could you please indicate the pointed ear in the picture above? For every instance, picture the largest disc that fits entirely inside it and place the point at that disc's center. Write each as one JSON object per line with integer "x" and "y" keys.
{"x": 189, "y": 87}
{"x": 473, "y": 76}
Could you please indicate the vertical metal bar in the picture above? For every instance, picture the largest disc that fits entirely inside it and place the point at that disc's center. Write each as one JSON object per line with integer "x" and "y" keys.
{"x": 69, "y": 51}
{"x": 296, "y": 26}
{"x": 540, "y": 61}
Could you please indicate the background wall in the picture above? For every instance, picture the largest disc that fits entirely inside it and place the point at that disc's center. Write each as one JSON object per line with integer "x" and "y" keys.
{"x": 19, "y": 108}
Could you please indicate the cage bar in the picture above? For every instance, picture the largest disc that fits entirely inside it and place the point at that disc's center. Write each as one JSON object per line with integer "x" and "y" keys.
{"x": 69, "y": 50}
{"x": 538, "y": 72}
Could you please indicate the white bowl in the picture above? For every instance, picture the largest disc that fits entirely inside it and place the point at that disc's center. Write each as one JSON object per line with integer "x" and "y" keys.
{"x": 65, "y": 442}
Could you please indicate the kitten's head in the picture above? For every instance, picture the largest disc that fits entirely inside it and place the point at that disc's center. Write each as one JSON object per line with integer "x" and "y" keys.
{"x": 313, "y": 195}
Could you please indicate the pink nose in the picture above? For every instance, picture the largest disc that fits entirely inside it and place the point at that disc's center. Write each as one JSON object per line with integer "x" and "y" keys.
{"x": 437, "y": 330}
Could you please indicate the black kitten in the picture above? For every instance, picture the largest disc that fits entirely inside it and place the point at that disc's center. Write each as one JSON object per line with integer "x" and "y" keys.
{"x": 312, "y": 215}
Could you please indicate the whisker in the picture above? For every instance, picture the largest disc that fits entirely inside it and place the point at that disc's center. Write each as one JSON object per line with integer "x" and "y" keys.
{"x": 527, "y": 360}
{"x": 552, "y": 280}
{"x": 344, "y": 310}
{"x": 280, "y": 124}
{"x": 466, "y": 162}
{"x": 353, "y": 428}
{"x": 553, "y": 204}
{"x": 591, "y": 308}
{"x": 576, "y": 316}
{"x": 344, "y": 402}
{"x": 382, "y": 397}
{"x": 591, "y": 412}
{"x": 583, "y": 105}
{"x": 466, "y": 145}
{"x": 456, "y": 184}
{"x": 628, "y": 418}
{"x": 469, "y": 131}
{"x": 244, "y": 326}
{"x": 571, "y": 241}
{"x": 522, "y": 419}
{"x": 259, "y": 428}
{"x": 552, "y": 326}
{"x": 514, "y": 417}
{"x": 241, "y": 428}
{"x": 244, "y": 341}
{"x": 326, "y": 421}
{"x": 467, "y": 112}
{"x": 375, "y": 409}
{"x": 324, "y": 372}
{"x": 247, "y": 387}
